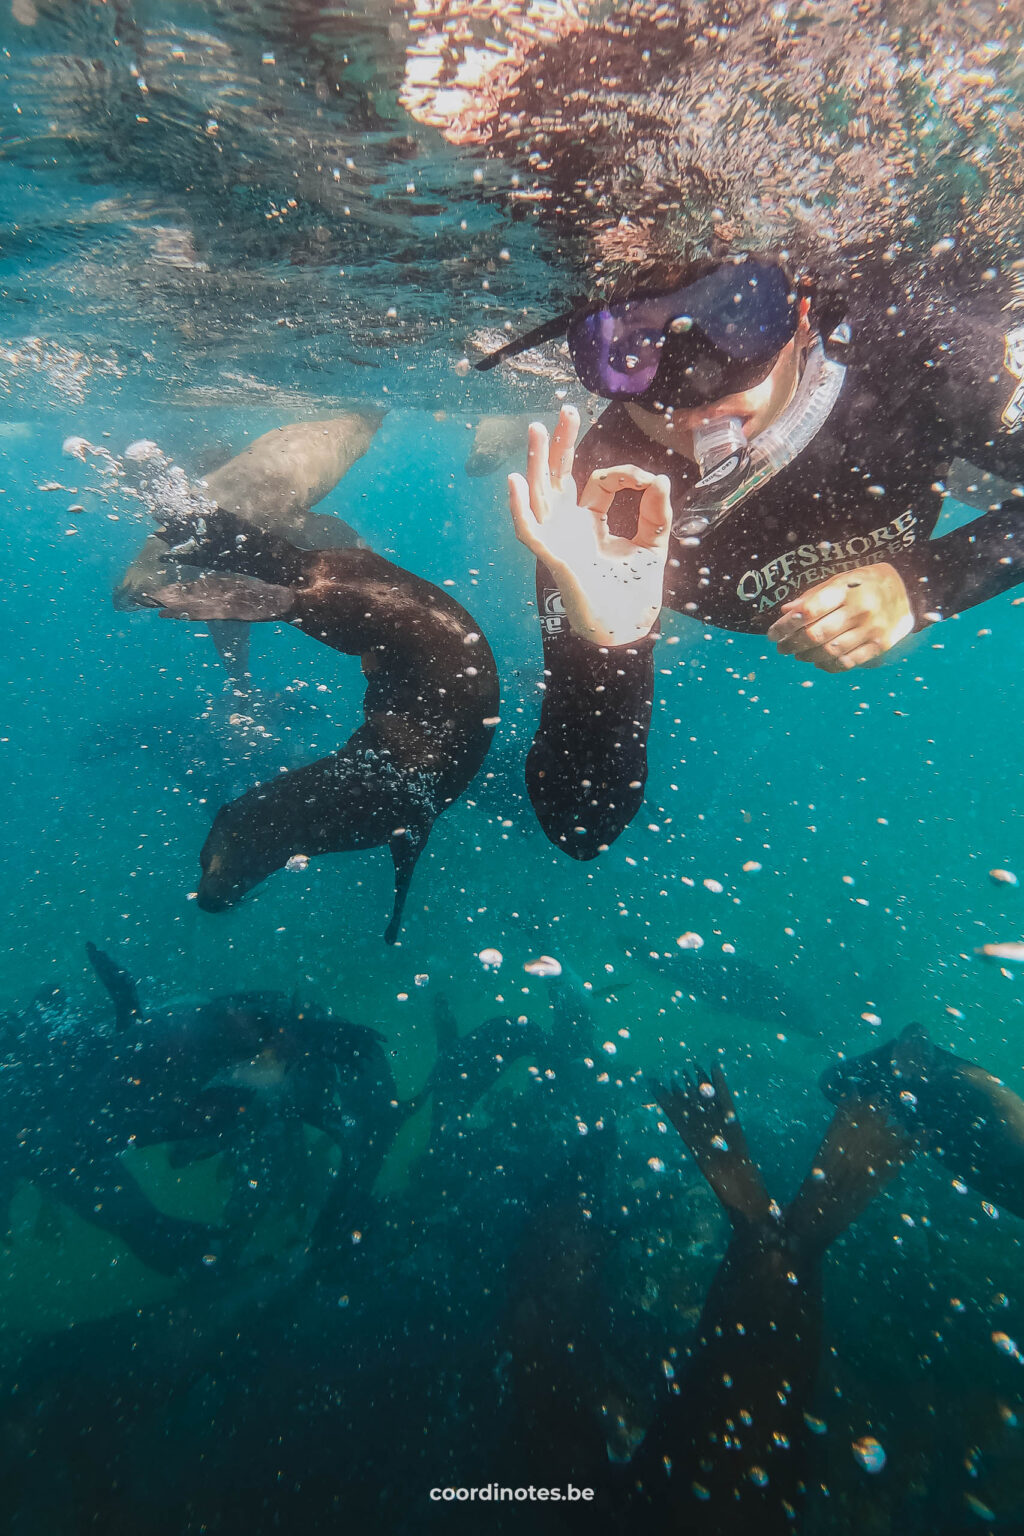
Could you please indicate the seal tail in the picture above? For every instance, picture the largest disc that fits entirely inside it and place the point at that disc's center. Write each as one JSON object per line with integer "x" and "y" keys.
{"x": 122, "y": 988}
{"x": 406, "y": 846}
{"x": 862, "y": 1152}
{"x": 702, "y": 1110}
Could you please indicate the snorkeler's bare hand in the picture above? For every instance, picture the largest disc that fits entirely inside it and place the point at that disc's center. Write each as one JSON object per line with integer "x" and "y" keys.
{"x": 847, "y": 621}
{"x": 610, "y": 587}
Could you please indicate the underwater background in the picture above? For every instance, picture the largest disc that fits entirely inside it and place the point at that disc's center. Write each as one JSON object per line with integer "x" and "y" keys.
{"x": 832, "y": 835}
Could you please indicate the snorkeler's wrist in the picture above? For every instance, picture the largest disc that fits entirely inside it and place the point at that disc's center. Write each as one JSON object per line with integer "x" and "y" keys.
{"x": 606, "y": 635}
{"x": 927, "y": 598}
{"x": 600, "y": 628}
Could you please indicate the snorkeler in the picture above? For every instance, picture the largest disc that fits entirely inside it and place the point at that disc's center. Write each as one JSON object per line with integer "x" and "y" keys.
{"x": 792, "y": 435}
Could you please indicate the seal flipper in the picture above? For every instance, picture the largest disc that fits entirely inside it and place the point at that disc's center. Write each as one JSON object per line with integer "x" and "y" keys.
{"x": 406, "y": 845}
{"x": 231, "y": 641}
{"x": 124, "y": 992}
{"x": 704, "y": 1114}
{"x": 222, "y": 597}
{"x": 862, "y": 1152}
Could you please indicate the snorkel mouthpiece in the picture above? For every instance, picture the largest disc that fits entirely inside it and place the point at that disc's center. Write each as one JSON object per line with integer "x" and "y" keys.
{"x": 720, "y": 449}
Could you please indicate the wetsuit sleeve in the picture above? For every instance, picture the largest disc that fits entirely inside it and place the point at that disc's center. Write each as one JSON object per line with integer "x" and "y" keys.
{"x": 973, "y": 335}
{"x": 588, "y": 764}
{"x": 968, "y": 566}
{"x": 967, "y": 337}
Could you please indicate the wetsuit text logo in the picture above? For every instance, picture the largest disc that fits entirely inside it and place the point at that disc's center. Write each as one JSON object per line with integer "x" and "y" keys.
{"x": 809, "y": 564}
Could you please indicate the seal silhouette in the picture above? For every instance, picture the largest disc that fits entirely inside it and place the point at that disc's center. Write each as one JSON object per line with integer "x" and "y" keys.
{"x": 430, "y": 706}
{"x": 275, "y": 482}
{"x": 972, "y": 1121}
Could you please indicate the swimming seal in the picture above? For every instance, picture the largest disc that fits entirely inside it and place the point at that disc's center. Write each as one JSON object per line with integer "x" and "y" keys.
{"x": 430, "y": 707}
{"x": 727, "y": 1453}
{"x": 239, "y": 1075}
{"x": 953, "y": 1108}
{"x": 275, "y": 482}
{"x": 497, "y": 440}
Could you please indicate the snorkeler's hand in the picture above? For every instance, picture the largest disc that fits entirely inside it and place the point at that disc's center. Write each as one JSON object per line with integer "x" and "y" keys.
{"x": 846, "y": 621}
{"x": 610, "y": 587}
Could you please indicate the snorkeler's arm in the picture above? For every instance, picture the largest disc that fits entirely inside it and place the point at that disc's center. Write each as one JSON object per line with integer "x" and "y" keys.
{"x": 598, "y": 598}
{"x": 972, "y": 330}
{"x": 588, "y": 764}
{"x": 965, "y": 331}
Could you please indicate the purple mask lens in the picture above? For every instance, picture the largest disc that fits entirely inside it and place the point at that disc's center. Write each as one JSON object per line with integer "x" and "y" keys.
{"x": 617, "y": 352}
{"x": 745, "y": 313}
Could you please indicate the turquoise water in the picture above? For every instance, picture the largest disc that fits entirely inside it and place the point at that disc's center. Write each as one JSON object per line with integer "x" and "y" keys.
{"x": 304, "y": 1387}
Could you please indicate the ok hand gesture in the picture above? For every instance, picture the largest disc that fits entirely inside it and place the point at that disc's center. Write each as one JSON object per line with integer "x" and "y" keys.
{"x": 611, "y": 587}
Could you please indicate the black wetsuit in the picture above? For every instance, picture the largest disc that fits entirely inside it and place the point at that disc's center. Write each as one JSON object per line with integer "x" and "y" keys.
{"x": 934, "y": 372}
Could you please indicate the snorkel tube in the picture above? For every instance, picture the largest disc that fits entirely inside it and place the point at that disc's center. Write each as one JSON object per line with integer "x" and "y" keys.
{"x": 723, "y": 458}
{"x": 816, "y": 394}
{"x": 724, "y": 484}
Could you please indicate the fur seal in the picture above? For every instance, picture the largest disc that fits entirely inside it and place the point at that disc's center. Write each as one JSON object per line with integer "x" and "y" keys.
{"x": 497, "y": 440}
{"x": 430, "y": 707}
{"x": 274, "y": 483}
{"x": 726, "y": 1454}
{"x": 279, "y": 477}
{"x": 951, "y": 1106}
{"x": 731, "y": 985}
{"x": 467, "y": 1065}
{"x": 231, "y": 1075}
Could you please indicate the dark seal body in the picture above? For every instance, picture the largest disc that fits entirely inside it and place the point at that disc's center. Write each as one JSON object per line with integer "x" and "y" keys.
{"x": 730, "y": 985}
{"x": 429, "y": 711}
{"x": 198, "y": 1077}
{"x": 726, "y": 1454}
{"x": 952, "y": 1107}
